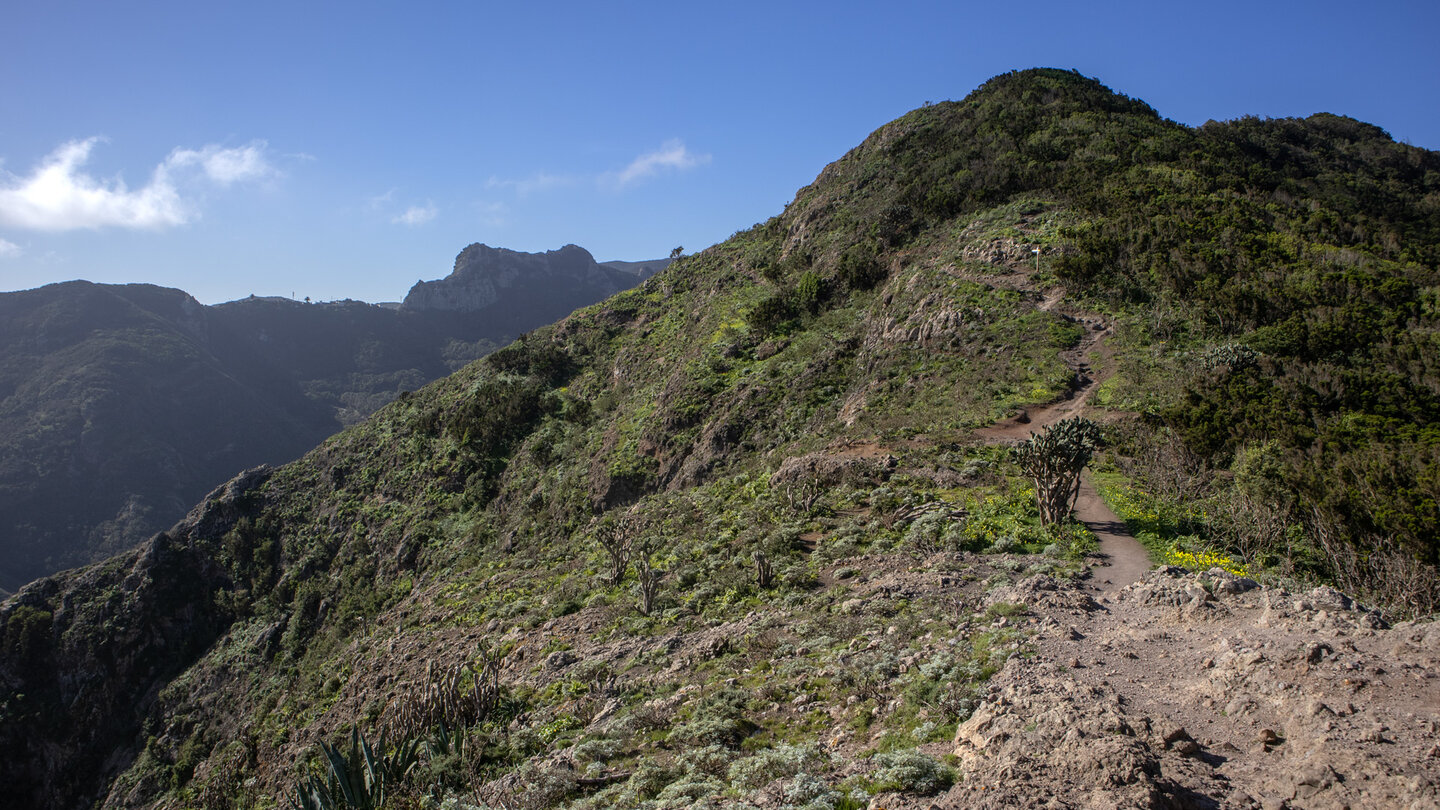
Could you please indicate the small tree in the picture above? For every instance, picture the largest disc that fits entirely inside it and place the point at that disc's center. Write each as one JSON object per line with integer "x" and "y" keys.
{"x": 764, "y": 570}
{"x": 1054, "y": 459}
{"x": 647, "y": 579}
{"x": 614, "y": 537}
{"x": 619, "y": 539}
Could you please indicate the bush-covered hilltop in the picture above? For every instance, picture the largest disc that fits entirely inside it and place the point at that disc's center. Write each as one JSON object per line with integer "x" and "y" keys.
{"x": 731, "y": 536}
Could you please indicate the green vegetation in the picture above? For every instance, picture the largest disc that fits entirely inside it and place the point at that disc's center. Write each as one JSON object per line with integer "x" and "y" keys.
{"x": 1054, "y": 459}
{"x": 733, "y": 527}
{"x": 361, "y": 778}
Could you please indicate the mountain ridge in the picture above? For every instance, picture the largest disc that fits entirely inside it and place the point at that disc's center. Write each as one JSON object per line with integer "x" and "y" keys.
{"x": 832, "y": 581}
{"x": 125, "y": 403}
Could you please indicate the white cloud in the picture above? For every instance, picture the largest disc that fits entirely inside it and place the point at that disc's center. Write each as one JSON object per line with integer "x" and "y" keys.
{"x": 58, "y": 196}
{"x": 540, "y": 181}
{"x": 492, "y": 214}
{"x": 379, "y": 201}
{"x": 8, "y": 249}
{"x": 225, "y": 166}
{"x": 417, "y": 215}
{"x": 672, "y": 155}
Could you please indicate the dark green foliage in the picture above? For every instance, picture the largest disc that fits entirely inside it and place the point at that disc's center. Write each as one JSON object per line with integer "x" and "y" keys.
{"x": 860, "y": 267}
{"x": 1036, "y": 129}
{"x": 545, "y": 360}
{"x": 810, "y": 291}
{"x": 496, "y": 413}
{"x": 192, "y": 752}
{"x": 27, "y": 634}
{"x": 776, "y": 313}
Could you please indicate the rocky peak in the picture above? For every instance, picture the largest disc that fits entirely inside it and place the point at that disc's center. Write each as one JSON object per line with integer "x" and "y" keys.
{"x": 482, "y": 272}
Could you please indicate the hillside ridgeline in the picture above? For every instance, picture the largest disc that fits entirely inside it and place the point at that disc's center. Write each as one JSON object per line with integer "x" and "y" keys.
{"x": 121, "y": 405}
{"x": 746, "y": 535}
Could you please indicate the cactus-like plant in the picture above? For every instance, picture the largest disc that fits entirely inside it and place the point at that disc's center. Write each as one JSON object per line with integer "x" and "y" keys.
{"x": 764, "y": 570}
{"x": 457, "y": 697}
{"x": 1054, "y": 459}
{"x": 647, "y": 583}
{"x": 613, "y": 538}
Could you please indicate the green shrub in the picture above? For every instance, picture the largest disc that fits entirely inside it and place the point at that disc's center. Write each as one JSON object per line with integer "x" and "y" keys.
{"x": 808, "y": 792}
{"x": 685, "y": 792}
{"x": 719, "y": 719}
{"x": 27, "y": 633}
{"x": 782, "y": 761}
{"x": 910, "y": 772}
{"x": 860, "y": 268}
{"x": 810, "y": 291}
{"x": 776, "y": 313}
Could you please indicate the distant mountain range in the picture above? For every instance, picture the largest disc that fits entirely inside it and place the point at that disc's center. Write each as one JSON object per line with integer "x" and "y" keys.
{"x": 121, "y": 405}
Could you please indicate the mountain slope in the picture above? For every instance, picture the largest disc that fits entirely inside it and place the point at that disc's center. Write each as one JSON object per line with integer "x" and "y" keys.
{"x": 827, "y": 563}
{"x": 117, "y": 400}
{"x": 122, "y": 405}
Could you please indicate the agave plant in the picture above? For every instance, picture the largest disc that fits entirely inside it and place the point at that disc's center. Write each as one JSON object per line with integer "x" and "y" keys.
{"x": 357, "y": 779}
{"x": 445, "y": 741}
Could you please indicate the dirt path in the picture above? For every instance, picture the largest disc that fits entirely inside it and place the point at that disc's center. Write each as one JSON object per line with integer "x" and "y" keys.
{"x": 1194, "y": 690}
{"x": 1124, "y": 560}
{"x": 1205, "y": 690}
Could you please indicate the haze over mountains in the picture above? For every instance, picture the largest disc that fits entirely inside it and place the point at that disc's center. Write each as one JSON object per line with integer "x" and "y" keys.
{"x": 120, "y": 405}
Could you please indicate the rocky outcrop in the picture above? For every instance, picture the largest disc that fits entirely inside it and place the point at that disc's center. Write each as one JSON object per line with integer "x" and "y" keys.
{"x": 483, "y": 275}
{"x": 87, "y": 653}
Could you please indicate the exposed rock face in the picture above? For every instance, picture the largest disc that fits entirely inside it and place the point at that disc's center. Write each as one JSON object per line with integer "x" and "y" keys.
{"x": 483, "y": 275}
{"x": 76, "y": 730}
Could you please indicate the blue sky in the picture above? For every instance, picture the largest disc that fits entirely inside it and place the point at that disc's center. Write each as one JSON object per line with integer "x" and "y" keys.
{"x": 347, "y": 150}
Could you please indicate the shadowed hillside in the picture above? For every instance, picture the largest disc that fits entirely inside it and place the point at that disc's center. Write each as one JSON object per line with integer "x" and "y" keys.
{"x": 122, "y": 405}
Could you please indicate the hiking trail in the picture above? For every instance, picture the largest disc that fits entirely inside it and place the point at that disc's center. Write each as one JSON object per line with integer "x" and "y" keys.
{"x": 1124, "y": 560}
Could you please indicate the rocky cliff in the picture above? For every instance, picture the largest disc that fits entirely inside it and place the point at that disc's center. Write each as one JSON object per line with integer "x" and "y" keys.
{"x": 545, "y": 285}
